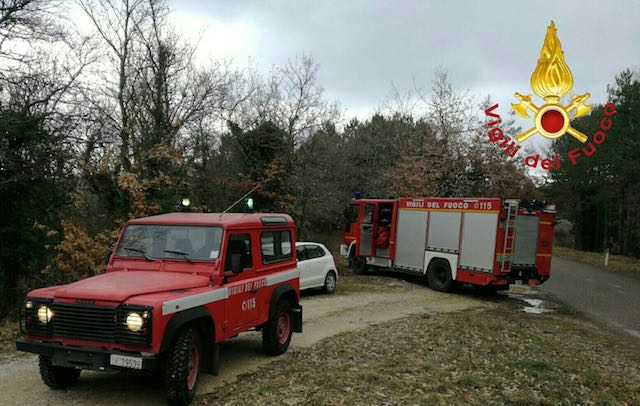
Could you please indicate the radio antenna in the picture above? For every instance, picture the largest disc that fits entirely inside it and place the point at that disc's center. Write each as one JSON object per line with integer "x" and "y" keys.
{"x": 239, "y": 200}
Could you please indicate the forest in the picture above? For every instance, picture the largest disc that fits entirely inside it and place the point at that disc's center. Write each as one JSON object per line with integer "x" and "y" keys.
{"x": 124, "y": 122}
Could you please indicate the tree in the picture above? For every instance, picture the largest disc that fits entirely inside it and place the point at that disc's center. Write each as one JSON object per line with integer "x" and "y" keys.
{"x": 599, "y": 193}
{"x": 30, "y": 22}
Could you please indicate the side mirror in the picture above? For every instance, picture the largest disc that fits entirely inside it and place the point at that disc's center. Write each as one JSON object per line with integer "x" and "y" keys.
{"x": 107, "y": 256}
{"x": 236, "y": 263}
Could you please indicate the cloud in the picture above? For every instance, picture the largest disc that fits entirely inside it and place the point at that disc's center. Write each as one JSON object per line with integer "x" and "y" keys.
{"x": 363, "y": 46}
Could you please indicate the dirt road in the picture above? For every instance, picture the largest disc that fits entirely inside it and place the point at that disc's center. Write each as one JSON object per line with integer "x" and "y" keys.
{"x": 362, "y": 302}
{"x": 609, "y": 297}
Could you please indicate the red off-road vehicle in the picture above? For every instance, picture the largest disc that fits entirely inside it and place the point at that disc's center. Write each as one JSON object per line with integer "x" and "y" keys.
{"x": 176, "y": 286}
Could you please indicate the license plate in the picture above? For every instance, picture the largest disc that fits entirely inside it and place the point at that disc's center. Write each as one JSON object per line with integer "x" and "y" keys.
{"x": 126, "y": 361}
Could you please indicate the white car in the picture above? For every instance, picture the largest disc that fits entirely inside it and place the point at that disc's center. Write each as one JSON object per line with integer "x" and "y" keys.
{"x": 317, "y": 267}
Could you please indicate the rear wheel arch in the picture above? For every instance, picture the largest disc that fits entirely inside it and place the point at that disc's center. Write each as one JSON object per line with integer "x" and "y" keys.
{"x": 286, "y": 293}
{"x": 438, "y": 259}
{"x": 282, "y": 292}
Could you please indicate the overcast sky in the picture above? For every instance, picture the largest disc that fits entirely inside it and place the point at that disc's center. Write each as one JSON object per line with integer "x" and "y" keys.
{"x": 363, "y": 47}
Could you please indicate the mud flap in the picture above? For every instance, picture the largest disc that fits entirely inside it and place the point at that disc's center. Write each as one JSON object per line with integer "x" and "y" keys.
{"x": 296, "y": 314}
{"x": 215, "y": 359}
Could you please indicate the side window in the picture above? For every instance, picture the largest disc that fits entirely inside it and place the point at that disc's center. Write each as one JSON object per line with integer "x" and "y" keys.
{"x": 301, "y": 252}
{"x": 276, "y": 246}
{"x": 268, "y": 243}
{"x": 314, "y": 251}
{"x": 239, "y": 244}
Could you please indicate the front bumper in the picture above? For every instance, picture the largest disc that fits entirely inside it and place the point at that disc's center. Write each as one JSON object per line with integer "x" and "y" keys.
{"x": 83, "y": 357}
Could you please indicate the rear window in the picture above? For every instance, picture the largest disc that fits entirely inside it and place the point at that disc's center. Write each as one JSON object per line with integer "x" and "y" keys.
{"x": 314, "y": 251}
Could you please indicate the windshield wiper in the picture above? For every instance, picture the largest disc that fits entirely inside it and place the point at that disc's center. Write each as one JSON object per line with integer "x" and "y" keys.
{"x": 143, "y": 252}
{"x": 184, "y": 254}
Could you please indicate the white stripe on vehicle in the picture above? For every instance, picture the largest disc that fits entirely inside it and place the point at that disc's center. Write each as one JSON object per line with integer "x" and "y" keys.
{"x": 189, "y": 302}
{"x": 199, "y": 299}
{"x": 282, "y": 277}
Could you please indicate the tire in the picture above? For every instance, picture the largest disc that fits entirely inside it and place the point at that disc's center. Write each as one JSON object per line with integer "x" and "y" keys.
{"x": 182, "y": 372}
{"x": 330, "y": 282}
{"x": 276, "y": 334}
{"x": 57, "y": 377}
{"x": 360, "y": 265}
{"x": 439, "y": 276}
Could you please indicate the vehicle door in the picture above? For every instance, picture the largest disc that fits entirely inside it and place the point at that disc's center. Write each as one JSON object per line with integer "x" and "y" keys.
{"x": 352, "y": 223}
{"x": 303, "y": 266}
{"x": 317, "y": 263}
{"x": 242, "y": 288}
{"x": 367, "y": 231}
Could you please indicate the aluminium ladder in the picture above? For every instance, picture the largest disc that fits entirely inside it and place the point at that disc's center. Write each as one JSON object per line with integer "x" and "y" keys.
{"x": 509, "y": 235}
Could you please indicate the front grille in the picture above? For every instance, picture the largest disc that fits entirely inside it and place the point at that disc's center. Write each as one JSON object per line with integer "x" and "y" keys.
{"x": 99, "y": 323}
{"x": 84, "y": 321}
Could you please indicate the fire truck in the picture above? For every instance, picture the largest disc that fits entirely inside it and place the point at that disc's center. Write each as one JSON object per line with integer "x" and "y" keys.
{"x": 480, "y": 241}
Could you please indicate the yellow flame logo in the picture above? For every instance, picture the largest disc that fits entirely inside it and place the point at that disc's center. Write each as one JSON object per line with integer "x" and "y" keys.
{"x": 552, "y": 77}
{"x": 551, "y": 80}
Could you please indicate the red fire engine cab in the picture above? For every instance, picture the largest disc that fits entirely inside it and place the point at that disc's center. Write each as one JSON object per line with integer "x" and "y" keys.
{"x": 480, "y": 241}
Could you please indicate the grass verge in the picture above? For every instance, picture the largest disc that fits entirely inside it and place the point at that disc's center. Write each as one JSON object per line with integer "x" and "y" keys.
{"x": 497, "y": 356}
{"x": 617, "y": 263}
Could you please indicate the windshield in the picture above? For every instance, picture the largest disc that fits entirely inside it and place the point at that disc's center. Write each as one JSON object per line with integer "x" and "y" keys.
{"x": 170, "y": 242}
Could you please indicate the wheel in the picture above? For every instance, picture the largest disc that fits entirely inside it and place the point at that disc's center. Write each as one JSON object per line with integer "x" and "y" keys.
{"x": 360, "y": 265}
{"x": 57, "y": 377}
{"x": 276, "y": 334}
{"x": 439, "y": 276}
{"x": 182, "y": 371}
{"x": 330, "y": 282}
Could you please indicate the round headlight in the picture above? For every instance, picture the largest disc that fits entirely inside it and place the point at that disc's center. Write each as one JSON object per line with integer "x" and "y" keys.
{"x": 28, "y": 304}
{"x": 44, "y": 314}
{"x": 134, "y": 321}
